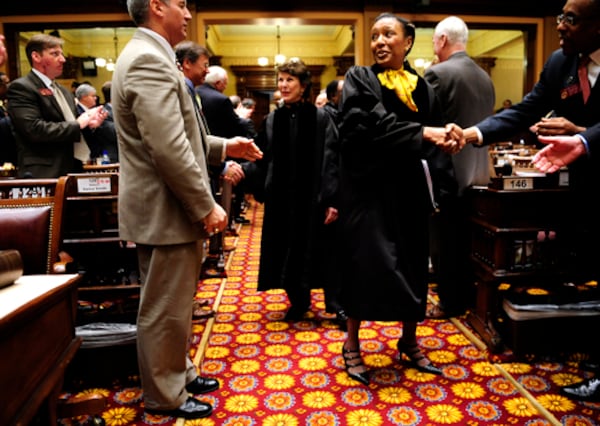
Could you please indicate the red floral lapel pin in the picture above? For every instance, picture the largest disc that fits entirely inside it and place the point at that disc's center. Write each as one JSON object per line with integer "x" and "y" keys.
{"x": 44, "y": 91}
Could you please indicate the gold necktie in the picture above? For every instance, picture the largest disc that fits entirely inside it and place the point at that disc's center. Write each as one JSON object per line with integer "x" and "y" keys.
{"x": 80, "y": 148}
{"x": 201, "y": 113}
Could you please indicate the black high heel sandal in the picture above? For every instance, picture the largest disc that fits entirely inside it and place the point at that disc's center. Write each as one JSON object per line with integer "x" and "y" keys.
{"x": 414, "y": 354}
{"x": 352, "y": 359}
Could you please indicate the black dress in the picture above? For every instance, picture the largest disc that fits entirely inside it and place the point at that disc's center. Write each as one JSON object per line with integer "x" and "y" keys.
{"x": 385, "y": 202}
{"x": 297, "y": 180}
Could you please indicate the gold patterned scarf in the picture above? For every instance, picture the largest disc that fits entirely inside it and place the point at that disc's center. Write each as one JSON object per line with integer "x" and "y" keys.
{"x": 403, "y": 83}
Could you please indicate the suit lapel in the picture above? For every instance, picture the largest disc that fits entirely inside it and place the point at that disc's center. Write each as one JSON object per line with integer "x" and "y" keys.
{"x": 45, "y": 93}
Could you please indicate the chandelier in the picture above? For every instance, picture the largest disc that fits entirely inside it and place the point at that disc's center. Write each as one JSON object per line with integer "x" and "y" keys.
{"x": 263, "y": 61}
{"x": 110, "y": 63}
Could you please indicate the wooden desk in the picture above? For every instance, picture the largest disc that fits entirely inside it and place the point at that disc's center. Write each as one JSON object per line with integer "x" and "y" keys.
{"x": 502, "y": 221}
{"x": 37, "y": 342}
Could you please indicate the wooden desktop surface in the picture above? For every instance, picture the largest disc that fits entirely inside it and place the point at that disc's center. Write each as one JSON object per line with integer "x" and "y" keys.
{"x": 37, "y": 342}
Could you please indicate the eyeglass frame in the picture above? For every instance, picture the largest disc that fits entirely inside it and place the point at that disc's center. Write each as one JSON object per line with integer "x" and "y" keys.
{"x": 570, "y": 19}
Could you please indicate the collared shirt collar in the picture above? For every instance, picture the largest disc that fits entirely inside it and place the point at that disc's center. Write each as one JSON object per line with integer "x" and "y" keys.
{"x": 43, "y": 77}
{"x": 594, "y": 67}
{"x": 161, "y": 40}
{"x": 595, "y": 56}
{"x": 189, "y": 83}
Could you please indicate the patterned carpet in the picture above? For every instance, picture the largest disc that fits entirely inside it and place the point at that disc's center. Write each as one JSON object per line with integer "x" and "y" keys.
{"x": 274, "y": 373}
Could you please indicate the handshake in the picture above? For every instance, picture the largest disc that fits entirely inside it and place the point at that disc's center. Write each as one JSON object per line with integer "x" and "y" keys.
{"x": 451, "y": 138}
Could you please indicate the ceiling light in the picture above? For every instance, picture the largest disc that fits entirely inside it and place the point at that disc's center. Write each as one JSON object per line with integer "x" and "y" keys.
{"x": 279, "y": 59}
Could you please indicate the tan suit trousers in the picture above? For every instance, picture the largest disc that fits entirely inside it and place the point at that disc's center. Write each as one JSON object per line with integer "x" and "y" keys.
{"x": 169, "y": 280}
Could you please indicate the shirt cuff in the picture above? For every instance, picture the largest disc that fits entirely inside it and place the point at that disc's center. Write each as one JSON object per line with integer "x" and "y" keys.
{"x": 585, "y": 143}
{"x": 479, "y": 137}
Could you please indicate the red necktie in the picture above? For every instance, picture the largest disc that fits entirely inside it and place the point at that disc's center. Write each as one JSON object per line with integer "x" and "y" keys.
{"x": 584, "y": 82}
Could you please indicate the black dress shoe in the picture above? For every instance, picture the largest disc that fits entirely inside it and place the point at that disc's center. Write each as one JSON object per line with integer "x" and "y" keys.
{"x": 242, "y": 220}
{"x": 190, "y": 409}
{"x": 415, "y": 356}
{"x": 353, "y": 360}
{"x": 202, "y": 385}
{"x": 588, "y": 390}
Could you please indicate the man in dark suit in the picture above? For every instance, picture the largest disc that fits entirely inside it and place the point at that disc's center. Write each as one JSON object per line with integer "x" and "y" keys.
{"x": 103, "y": 139}
{"x": 575, "y": 104}
{"x": 218, "y": 109}
{"x": 333, "y": 91}
{"x": 46, "y": 132}
{"x": 466, "y": 95}
{"x": 222, "y": 121}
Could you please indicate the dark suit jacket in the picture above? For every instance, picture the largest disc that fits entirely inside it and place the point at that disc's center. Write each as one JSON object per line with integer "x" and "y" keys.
{"x": 44, "y": 139}
{"x": 103, "y": 138}
{"x": 220, "y": 115}
{"x": 558, "y": 90}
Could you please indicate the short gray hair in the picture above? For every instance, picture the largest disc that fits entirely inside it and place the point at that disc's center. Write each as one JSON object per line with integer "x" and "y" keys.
{"x": 84, "y": 90}
{"x": 454, "y": 28}
{"x": 215, "y": 73}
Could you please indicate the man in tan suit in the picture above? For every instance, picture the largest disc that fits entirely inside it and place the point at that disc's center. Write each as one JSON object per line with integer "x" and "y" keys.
{"x": 165, "y": 202}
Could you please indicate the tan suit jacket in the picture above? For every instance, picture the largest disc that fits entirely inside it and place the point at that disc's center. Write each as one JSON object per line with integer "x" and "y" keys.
{"x": 164, "y": 193}
{"x": 164, "y": 188}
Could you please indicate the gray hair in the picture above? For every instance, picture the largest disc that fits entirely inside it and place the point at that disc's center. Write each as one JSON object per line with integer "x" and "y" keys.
{"x": 215, "y": 73}
{"x": 454, "y": 28}
{"x": 139, "y": 10}
{"x": 84, "y": 90}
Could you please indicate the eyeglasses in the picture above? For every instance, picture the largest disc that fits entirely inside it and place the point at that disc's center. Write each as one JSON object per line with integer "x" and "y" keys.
{"x": 568, "y": 19}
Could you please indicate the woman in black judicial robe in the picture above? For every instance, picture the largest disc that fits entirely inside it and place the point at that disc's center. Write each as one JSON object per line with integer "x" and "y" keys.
{"x": 385, "y": 201}
{"x": 297, "y": 180}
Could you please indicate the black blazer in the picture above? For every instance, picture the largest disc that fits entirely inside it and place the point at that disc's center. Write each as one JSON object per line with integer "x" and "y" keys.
{"x": 557, "y": 90}
{"x": 103, "y": 138}
{"x": 220, "y": 115}
{"x": 44, "y": 139}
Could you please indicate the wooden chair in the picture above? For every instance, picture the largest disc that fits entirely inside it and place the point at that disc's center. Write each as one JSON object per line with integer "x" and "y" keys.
{"x": 31, "y": 220}
{"x": 31, "y": 215}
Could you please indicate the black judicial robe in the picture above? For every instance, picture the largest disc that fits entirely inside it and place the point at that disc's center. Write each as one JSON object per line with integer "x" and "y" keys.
{"x": 384, "y": 197}
{"x": 297, "y": 179}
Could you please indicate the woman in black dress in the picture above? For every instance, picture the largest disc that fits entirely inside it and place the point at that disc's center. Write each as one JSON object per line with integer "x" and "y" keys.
{"x": 297, "y": 179}
{"x": 386, "y": 130}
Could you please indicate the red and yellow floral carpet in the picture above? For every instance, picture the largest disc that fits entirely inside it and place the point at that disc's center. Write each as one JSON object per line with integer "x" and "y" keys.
{"x": 274, "y": 373}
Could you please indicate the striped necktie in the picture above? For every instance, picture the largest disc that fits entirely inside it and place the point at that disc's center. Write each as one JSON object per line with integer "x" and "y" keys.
{"x": 81, "y": 150}
{"x": 198, "y": 103}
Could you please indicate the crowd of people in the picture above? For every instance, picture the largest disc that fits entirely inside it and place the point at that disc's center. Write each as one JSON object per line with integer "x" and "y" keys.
{"x": 335, "y": 174}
